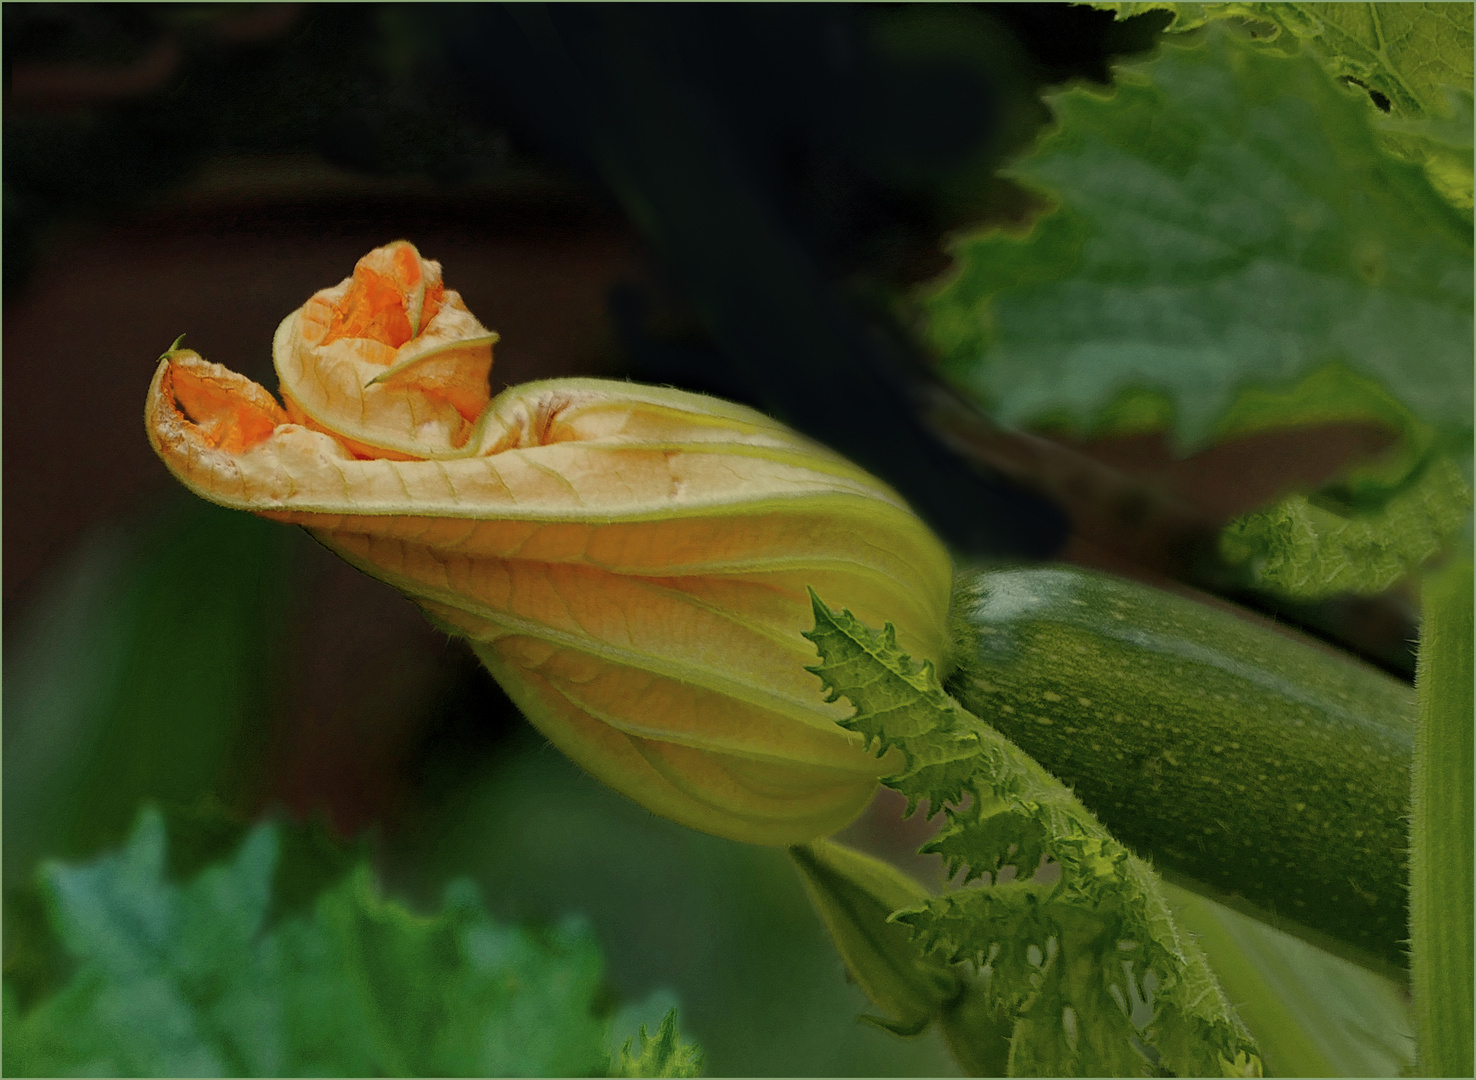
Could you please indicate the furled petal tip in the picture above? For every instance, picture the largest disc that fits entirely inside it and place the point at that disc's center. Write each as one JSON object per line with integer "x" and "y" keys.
{"x": 630, "y": 563}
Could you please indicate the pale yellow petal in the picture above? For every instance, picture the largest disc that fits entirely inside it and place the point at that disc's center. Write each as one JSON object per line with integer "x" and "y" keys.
{"x": 631, "y": 563}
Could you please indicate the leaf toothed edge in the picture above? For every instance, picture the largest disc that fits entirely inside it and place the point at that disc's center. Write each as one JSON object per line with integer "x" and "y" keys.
{"x": 664, "y": 1055}
{"x": 1094, "y": 969}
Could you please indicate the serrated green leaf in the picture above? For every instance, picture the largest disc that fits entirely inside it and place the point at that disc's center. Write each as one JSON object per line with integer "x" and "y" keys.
{"x": 197, "y": 979}
{"x": 1059, "y": 1031}
{"x": 1305, "y": 550}
{"x": 1410, "y": 53}
{"x": 665, "y": 1055}
{"x": 1225, "y": 221}
{"x": 1416, "y": 56}
{"x": 940, "y": 771}
{"x": 904, "y": 702}
{"x": 1051, "y": 955}
{"x": 985, "y": 845}
{"x": 1004, "y": 930}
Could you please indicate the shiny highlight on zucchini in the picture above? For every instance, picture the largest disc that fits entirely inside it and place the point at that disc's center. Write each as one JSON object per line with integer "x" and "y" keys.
{"x": 1249, "y": 765}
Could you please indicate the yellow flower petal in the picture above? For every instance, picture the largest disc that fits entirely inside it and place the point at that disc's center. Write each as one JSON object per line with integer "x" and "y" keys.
{"x": 629, "y": 562}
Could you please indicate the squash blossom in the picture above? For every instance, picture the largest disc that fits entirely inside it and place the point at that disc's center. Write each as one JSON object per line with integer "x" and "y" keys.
{"x": 629, "y": 562}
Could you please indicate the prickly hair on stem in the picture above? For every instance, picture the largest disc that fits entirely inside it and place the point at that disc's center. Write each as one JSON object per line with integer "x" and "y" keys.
{"x": 1093, "y": 969}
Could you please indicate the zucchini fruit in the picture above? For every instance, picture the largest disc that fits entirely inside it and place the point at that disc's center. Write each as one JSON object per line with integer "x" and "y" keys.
{"x": 1248, "y": 765}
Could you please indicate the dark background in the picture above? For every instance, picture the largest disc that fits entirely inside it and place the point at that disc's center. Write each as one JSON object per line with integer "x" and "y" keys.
{"x": 730, "y": 198}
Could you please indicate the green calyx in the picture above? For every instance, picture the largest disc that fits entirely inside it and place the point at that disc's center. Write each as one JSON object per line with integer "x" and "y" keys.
{"x": 855, "y": 895}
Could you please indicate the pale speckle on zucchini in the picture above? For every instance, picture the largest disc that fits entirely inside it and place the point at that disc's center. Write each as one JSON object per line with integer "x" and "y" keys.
{"x": 1240, "y": 759}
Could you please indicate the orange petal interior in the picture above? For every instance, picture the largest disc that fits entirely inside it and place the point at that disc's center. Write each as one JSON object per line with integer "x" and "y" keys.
{"x": 227, "y": 413}
{"x": 389, "y": 301}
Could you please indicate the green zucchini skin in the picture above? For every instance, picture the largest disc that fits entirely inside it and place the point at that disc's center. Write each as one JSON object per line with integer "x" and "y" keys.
{"x": 1243, "y": 762}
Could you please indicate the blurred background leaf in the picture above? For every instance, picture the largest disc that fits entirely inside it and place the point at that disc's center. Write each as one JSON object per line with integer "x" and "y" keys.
{"x": 146, "y": 671}
{"x": 197, "y": 979}
{"x": 1225, "y": 220}
{"x": 1230, "y": 250}
{"x": 725, "y": 926}
{"x": 1414, "y": 60}
{"x": 1311, "y": 1013}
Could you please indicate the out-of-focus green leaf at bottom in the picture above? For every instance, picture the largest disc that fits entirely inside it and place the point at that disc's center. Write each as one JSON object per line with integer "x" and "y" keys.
{"x": 724, "y": 926}
{"x": 1312, "y": 1013}
{"x": 196, "y": 979}
{"x": 147, "y": 668}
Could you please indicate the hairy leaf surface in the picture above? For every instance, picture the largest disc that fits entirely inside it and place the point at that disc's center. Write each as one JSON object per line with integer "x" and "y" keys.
{"x": 1092, "y": 968}
{"x": 1303, "y": 549}
{"x": 663, "y": 1055}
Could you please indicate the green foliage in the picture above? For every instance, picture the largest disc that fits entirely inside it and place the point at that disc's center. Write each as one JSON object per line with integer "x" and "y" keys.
{"x": 1232, "y": 249}
{"x": 1410, "y": 53}
{"x": 199, "y": 979}
{"x": 146, "y": 671}
{"x": 1331, "y": 395}
{"x": 1303, "y": 549}
{"x": 1225, "y": 219}
{"x": 1093, "y": 969}
{"x": 1442, "y": 144}
{"x": 1417, "y": 57}
{"x": 1442, "y": 862}
{"x": 665, "y": 1055}
{"x": 726, "y": 927}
